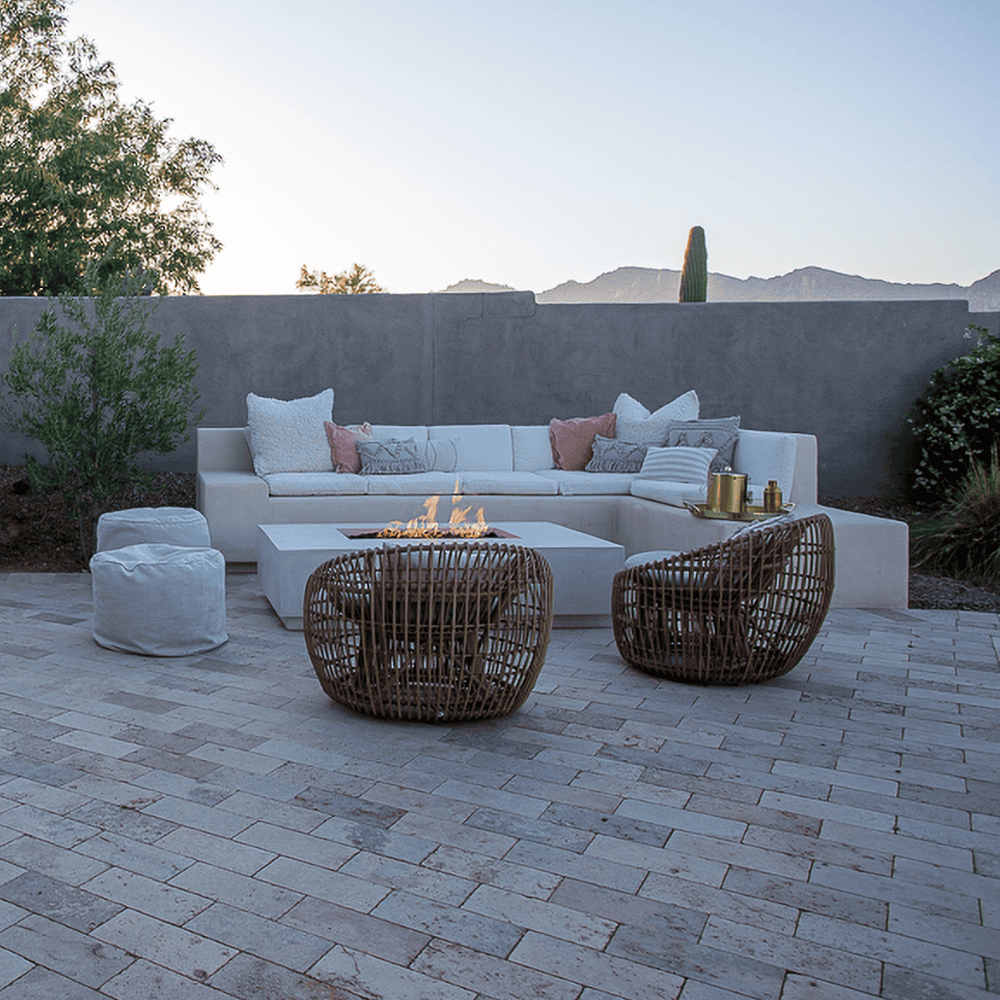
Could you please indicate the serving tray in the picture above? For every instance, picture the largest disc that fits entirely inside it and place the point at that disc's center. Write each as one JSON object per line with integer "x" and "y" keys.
{"x": 753, "y": 512}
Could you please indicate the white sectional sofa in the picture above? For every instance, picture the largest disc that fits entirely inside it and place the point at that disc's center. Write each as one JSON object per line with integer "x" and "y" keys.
{"x": 508, "y": 470}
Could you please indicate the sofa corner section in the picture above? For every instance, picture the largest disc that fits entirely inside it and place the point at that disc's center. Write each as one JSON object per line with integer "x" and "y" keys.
{"x": 233, "y": 503}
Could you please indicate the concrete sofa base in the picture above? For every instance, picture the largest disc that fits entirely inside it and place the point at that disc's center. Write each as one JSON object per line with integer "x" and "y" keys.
{"x": 872, "y": 552}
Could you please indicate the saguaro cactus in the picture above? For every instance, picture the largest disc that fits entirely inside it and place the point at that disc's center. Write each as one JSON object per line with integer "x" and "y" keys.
{"x": 694, "y": 277}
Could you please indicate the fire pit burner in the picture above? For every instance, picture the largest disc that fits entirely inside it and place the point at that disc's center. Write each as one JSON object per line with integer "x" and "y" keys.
{"x": 443, "y": 533}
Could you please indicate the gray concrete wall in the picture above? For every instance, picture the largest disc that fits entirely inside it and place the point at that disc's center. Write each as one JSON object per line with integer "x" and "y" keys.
{"x": 844, "y": 371}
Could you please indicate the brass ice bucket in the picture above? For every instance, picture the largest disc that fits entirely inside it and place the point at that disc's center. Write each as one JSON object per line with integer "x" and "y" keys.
{"x": 727, "y": 492}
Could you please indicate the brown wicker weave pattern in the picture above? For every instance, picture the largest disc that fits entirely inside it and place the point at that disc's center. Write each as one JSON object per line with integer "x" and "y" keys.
{"x": 438, "y": 632}
{"x": 741, "y": 611}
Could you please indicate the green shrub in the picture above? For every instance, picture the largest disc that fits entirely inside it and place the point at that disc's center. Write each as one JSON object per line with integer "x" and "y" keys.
{"x": 97, "y": 391}
{"x": 957, "y": 420}
{"x": 964, "y": 542}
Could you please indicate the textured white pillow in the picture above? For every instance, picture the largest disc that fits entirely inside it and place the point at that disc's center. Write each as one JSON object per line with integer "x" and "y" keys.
{"x": 677, "y": 464}
{"x": 289, "y": 435}
{"x": 636, "y": 424}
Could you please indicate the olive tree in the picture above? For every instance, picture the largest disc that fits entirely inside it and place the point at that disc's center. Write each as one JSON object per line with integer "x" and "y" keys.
{"x": 97, "y": 389}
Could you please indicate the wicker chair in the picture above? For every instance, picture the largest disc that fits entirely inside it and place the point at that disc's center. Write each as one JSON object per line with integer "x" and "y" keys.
{"x": 737, "y": 612}
{"x": 439, "y": 632}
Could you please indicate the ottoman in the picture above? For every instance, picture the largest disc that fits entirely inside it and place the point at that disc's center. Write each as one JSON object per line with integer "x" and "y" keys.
{"x": 159, "y": 600}
{"x": 152, "y": 525}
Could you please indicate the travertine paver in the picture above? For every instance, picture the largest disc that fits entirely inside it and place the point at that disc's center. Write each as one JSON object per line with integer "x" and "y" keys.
{"x": 213, "y": 826}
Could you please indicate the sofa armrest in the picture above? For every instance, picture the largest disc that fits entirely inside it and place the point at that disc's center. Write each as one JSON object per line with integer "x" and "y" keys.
{"x": 805, "y": 484}
{"x": 223, "y": 448}
{"x": 233, "y": 503}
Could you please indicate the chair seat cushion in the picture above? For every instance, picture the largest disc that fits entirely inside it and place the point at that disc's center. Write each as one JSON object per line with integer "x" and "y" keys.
{"x": 641, "y": 558}
{"x": 159, "y": 600}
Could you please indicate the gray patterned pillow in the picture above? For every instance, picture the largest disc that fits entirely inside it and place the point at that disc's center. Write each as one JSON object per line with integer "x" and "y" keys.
{"x": 615, "y": 455}
{"x": 721, "y": 434}
{"x": 392, "y": 457}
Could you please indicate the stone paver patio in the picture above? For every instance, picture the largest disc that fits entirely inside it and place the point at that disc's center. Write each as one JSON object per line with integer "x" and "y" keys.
{"x": 215, "y": 827}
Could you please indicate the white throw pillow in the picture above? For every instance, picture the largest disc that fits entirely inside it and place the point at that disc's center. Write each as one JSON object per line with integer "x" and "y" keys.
{"x": 636, "y": 424}
{"x": 289, "y": 435}
{"x": 677, "y": 465}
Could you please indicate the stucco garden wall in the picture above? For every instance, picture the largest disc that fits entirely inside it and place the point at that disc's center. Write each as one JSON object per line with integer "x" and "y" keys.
{"x": 844, "y": 371}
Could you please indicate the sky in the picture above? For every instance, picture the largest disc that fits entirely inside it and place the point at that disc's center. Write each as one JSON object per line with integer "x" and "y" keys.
{"x": 531, "y": 142}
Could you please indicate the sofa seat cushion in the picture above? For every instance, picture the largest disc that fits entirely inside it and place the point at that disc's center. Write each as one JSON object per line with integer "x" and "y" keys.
{"x": 509, "y": 483}
{"x": 572, "y": 483}
{"x": 480, "y": 446}
{"x": 422, "y": 484}
{"x": 664, "y": 491}
{"x": 315, "y": 484}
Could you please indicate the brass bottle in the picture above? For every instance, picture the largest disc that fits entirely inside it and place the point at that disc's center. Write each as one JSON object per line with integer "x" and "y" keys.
{"x": 772, "y": 497}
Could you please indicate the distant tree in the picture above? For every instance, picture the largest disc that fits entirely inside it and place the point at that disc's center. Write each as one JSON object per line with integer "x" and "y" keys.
{"x": 694, "y": 277}
{"x": 85, "y": 177}
{"x": 358, "y": 281}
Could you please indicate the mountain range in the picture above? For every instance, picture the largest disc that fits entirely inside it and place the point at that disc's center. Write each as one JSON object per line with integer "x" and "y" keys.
{"x": 805, "y": 284}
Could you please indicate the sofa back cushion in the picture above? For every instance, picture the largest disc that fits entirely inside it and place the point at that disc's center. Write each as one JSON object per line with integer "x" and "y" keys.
{"x": 401, "y": 432}
{"x": 765, "y": 455}
{"x": 481, "y": 447}
{"x": 441, "y": 455}
{"x": 532, "y": 448}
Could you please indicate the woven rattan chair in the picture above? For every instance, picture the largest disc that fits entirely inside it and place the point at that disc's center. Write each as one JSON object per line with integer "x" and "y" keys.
{"x": 737, "y": 612}
{"x": 438, "y": 632}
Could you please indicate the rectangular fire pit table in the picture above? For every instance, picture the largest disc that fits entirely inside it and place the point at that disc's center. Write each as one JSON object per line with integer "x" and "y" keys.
{"x": 583, "y": 567}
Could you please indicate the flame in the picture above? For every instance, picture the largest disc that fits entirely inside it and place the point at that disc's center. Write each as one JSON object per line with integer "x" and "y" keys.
{"x": 426, "y": 525}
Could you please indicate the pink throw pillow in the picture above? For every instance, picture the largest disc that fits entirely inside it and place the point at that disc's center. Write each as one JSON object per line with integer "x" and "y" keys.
{"x": 343, "y": 444}
{"x": 573, "y": 440}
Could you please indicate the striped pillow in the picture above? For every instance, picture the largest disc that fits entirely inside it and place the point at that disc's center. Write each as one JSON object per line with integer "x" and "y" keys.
{"x": 678, "y": 464}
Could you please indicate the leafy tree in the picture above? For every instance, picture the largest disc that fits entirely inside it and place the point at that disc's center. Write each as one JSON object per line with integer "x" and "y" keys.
{"x": 956, "y": 422}
{"x": 358, "y": 281}
{"x": 85, "y": 177}
{"x": 97, "y": 391}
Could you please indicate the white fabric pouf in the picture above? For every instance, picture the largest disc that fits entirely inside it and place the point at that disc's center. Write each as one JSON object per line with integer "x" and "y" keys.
{"x": 159, "y": 600}
{"x": 152, "y": 526}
